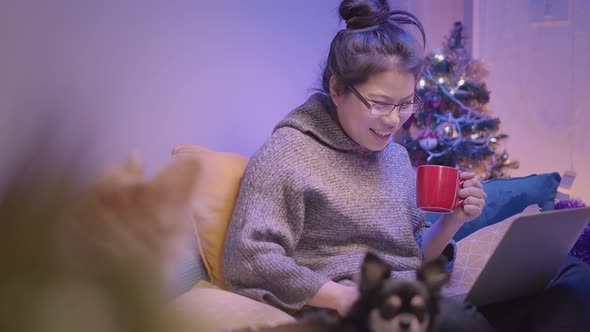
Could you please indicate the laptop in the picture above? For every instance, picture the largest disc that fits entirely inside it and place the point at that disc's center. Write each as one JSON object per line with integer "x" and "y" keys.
{"x": 526, "y": 258}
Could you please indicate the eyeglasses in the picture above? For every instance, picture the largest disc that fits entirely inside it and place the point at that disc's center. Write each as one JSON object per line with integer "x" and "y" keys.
{"x": 380, "y": 109}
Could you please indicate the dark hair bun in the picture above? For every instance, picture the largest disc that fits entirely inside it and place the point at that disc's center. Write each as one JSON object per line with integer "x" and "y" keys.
{"x": 360, "y": 14}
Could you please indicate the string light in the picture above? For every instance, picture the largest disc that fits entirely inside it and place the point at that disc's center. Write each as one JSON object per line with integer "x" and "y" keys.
{"x": 461, "y": 82}
{"x": 439, "y": 57}
{"x": 422, "y": 82}
{"x": 441, "y": 80}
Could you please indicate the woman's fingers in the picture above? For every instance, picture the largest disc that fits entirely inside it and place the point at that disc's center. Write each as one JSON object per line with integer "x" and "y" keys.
{"x": 473, "y": 182}
{"x": 474, "y": 201}
{"x": 467, "y": 175}
{"x": 472, "y": 192}
{"x": 472, "y": 210}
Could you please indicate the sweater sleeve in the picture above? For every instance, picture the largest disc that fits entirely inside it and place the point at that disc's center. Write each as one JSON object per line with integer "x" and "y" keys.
{"x": 265, "y": 229}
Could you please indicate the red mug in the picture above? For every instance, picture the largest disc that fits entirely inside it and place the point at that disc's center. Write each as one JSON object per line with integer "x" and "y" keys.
{"x": 437, "y": 188}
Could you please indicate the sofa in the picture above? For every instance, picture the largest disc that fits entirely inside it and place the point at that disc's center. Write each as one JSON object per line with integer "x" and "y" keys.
{"x": 199, "y": 291}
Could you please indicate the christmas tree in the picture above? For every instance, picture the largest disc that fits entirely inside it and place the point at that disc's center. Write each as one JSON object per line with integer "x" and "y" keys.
{"x": 455, "y": 128}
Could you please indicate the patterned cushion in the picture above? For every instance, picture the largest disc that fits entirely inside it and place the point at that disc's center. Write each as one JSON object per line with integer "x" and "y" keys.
{"x": 474, "y": 250}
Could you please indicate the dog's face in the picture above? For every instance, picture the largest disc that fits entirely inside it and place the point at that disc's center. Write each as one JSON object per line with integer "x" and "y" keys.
{"x": 405, "y": 306}
{"x": 401, "y": 305}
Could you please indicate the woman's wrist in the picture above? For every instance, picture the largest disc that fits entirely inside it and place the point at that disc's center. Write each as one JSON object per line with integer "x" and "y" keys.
{"x": 438, "y": 235}
{"x": 452, "y": 220}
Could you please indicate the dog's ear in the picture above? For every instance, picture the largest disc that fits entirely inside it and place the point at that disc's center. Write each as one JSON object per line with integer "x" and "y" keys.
{"x": 434, "y": 274}
{"x": 373, "y": 271}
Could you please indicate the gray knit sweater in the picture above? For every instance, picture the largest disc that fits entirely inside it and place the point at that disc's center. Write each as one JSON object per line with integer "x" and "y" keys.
{"x": 312, "y": 203}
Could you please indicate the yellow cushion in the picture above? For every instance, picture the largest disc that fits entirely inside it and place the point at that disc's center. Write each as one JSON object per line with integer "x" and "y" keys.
{"x": 213, "y": 204}
{"x": 210, "y": 309}
{"x": 205, "y": 284}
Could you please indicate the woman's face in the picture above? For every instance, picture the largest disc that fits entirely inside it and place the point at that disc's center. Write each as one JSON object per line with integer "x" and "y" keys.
{"x": 368, "y": 130}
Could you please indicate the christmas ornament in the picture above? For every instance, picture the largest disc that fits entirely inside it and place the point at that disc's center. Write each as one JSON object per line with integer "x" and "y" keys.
{"x": 428, "y": 140}
{"x": 504, "y": 157}
{"x": 435, "y": 102}
{"x": 447, "y": 129}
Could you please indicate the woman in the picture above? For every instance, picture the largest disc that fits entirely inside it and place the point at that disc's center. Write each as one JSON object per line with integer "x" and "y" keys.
{"x": 330, "y": 185}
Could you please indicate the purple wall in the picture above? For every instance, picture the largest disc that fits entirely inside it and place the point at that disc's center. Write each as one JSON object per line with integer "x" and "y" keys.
{"x": 148, "y": 75}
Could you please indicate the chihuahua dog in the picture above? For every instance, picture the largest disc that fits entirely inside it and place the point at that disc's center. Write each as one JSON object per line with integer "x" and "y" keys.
{"x": 393, "y": 305}
{"x": 385, "y": 304}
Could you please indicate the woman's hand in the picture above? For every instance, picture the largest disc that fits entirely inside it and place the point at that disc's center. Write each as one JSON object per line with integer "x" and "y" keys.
{"x": 475, "y": 199}
{"x": 347, "y": 297}
{"x": 335, "y": 296}
{"x": 437, "y": 237}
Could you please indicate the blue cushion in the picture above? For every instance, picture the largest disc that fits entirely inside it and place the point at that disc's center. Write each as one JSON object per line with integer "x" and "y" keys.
{"x": 189, "y": 271}
{"x": 507, "y": 197}
{"x": 188, "y": 267}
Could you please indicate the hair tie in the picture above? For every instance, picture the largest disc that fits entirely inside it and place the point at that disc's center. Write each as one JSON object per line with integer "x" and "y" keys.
{"x": 364, "y": 22}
